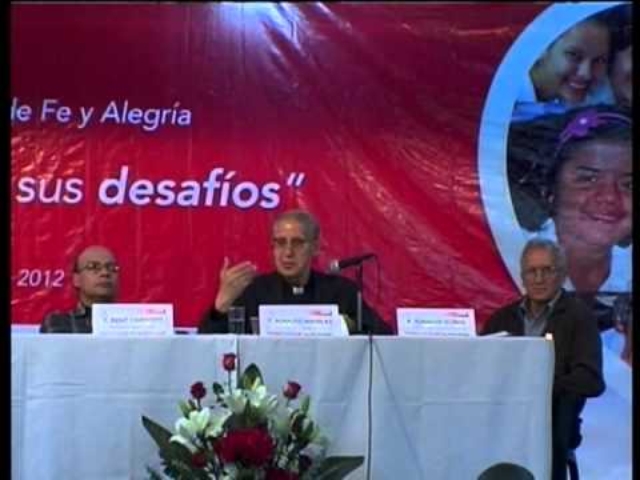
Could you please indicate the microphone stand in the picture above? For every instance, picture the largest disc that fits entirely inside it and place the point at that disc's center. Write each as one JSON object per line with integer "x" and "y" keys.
{"x": 360, "y": 284}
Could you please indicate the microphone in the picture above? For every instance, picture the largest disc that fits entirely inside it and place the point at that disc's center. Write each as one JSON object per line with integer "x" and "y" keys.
{"x": 336, "y": 266}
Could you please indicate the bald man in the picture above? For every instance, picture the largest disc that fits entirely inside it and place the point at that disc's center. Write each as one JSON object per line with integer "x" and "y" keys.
{"x": 95, "y": 278}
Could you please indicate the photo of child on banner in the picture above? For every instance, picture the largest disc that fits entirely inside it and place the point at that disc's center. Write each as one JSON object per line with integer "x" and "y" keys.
{"x": 570, "y": 177}
{"x": 588, "y": 64}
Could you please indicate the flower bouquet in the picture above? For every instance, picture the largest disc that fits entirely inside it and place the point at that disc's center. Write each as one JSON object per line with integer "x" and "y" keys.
{"x": 246, "y": 434}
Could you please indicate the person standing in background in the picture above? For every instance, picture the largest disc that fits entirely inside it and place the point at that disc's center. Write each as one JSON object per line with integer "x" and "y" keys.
{"x": 546, "y": 308}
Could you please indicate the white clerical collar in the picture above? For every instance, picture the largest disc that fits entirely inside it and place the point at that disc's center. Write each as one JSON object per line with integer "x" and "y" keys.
{"x": 297, "y": 290}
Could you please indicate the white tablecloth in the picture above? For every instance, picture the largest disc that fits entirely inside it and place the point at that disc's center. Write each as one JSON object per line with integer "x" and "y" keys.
{"x": 440, "y": 409}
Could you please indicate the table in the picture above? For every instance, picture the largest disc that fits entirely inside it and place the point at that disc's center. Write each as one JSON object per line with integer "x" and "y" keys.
{"x": 440, "y": 409}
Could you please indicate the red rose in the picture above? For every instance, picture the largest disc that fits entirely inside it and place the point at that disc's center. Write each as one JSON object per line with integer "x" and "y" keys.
{"x": 229, "y": 362}
{"x": 251, "y": 447}
{"x": 199, "y": 460}
{"x": 280, "y": 474}
{"x": 198, "y": 391}
{"x": 291, "y": 390}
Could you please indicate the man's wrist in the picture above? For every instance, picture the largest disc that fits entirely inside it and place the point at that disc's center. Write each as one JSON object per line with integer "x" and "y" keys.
{"x": 222, "y": 306}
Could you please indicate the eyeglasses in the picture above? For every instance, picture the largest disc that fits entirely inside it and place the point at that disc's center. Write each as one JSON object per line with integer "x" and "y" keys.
{"x": 295, "y": 243}
{"x": 96, "y": 267}
{"x": 544, "y": 272}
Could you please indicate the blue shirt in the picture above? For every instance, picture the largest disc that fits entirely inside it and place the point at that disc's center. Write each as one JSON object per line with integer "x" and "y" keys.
{"x": 535, "y": 326}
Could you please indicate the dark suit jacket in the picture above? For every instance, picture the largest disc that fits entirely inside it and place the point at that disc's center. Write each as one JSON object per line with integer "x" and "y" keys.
{"x": 272, "y": 289}
{"x": 578, "y": 346}
{"x": 75, "y": 321}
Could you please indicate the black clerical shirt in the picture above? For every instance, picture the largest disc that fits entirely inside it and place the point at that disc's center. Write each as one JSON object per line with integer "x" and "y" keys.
{"x": 273, "y": 289}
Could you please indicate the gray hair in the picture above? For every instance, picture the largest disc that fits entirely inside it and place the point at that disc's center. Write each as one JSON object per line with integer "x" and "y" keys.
{"x": 309, "y": 224}
{"x": 537, "y": 243}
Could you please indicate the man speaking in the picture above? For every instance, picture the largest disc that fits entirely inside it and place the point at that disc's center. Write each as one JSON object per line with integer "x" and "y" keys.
{"x": 294, "y": 242}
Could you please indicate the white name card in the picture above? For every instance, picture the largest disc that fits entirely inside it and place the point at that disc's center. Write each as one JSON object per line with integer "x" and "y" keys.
{"x": 436, "y": 322}
{"x": 301, "y": 321}
{"x": 132, "y": 319}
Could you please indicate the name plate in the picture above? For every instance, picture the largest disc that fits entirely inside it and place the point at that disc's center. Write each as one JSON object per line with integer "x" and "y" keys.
{"x": 301, "y": 321}
{"x": 436, "y": 322}
{"x": 132, "y": 319}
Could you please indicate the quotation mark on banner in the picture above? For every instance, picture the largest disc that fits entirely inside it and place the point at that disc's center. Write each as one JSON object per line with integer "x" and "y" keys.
{"x": 295, "y": 179}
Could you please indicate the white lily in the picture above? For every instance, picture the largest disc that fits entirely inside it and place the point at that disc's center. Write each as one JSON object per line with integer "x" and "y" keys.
{"x": 261, "y": 400}
{"x": 236, "y": 401}
{"x": 216, "y": 423}
{"x": 200, "y": 423}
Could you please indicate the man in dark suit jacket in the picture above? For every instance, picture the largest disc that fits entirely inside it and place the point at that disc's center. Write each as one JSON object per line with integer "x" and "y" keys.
{"x": 547, "y": 308}
{"x": 95, "y": 278}
{"x": 295, "y": 236}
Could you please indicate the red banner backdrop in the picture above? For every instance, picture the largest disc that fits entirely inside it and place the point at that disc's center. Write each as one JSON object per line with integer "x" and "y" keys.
{"x": 173, "y": 134}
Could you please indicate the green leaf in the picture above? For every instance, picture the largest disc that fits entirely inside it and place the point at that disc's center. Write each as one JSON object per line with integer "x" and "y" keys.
{"x": 184, "y": 408}
{"x": 304, "y": 405}
{"x": 218, "y": 389}
{"x": 159, "y": 434}
{"x": 297, "y": 420}
{"x": 251, "y": 373}
{"x": 171, "y": 452}
{"x": 182, "y": 470}
{"x": 336, "y": 468}
{"x": 307, "y": 433}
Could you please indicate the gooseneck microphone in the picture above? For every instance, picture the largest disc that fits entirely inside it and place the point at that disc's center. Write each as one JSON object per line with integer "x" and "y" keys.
{"x": 336, "y": 266}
